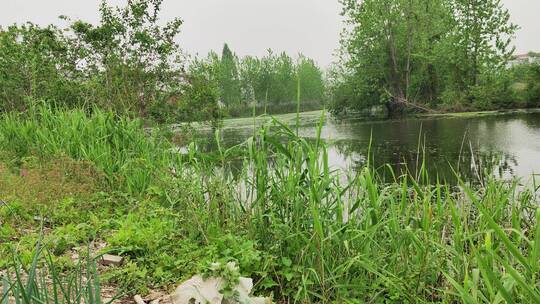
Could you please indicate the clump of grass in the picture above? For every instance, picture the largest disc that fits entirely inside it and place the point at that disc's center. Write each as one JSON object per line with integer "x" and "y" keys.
{"x": 117, "y": 146}
{"x": 40, "y": 282}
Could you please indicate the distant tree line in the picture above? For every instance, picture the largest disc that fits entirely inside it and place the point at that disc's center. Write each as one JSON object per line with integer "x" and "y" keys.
{"x": 428, "y": 54}
{"x": 268, "y": 84}
{"x": 132, "y": 64}
{"x": 403, "y": 54}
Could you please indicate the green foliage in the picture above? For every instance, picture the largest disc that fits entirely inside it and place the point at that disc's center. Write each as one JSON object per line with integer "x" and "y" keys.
{"x": 66, "y": 237}
{"x": 117, "y": 146}
{"x": 311, "y": 79}
{"x": 229, "y": 272}
{"x": 531, "y": 78}
{"x": 201, "y": 92}
{"x": 349, "y": 94}
{"x": 420, "y": 54}
{"x": 304, "y": 232}
{"x": 35, "y": 64}
{"x": 283, "y": 87}
{"x": 129, "y": 57}
{"x": 128, "y": 63}
{"x": 267, "y": 84}
{"x": 482, "y": 38}
{"x": 140, "y": 233}
{"x": 41, "y": 282}
{"x": 362, "y": 240}
{"x": 228, "y": 77}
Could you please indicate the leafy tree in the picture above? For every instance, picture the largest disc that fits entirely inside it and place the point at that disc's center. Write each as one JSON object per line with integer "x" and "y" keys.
{"x": 283, "y": 88}
{"x": 416, "y": 53}
{"x": 128, "y": 63}
{"x": 533, "y": 84}
{"x": 265, "y": 79}
{"x": 272, "y": 79}
{"x": 249, "y": 69}
{"x": 199, "y": 100}
{"x": 311, "y": 79}
{"x": 129, "y": 60}
{"x": 228, "y": 77}
{"x": 345, "y": 93}
{"x": 35, "y": 63}
{"x": 390, "y": 50}
{"x": 481, "y": 38}
{"x": 526, "y": 83}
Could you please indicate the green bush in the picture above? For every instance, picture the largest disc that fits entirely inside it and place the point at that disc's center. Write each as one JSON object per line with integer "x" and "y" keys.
{"x": 131, "y": 62}
{"x": 35, "y": 64}
{"x": 533, "y": 84}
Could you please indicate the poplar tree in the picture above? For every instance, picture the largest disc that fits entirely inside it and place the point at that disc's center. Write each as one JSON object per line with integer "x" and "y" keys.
{"x": 228, "y": 78}
{"x": 311, "y": 79}
{"x": 482, "y": 38}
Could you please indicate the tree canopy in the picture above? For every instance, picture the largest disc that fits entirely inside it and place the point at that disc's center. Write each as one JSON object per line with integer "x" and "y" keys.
{"x": 420, "y": 53}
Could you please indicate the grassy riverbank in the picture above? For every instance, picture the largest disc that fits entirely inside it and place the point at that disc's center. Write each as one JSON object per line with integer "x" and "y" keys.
{"x": 304, "y": 232}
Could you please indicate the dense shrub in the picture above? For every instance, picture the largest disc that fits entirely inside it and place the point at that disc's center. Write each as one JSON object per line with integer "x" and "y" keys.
{"x": 36, "y": 63}
{"x": 129, "y": 63}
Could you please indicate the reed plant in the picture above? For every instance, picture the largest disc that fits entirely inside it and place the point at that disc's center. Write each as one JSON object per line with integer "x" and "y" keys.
{"x": 351, "y": 237}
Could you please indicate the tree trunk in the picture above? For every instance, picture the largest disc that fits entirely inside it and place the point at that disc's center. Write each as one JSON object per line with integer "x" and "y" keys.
{"x": 395, "y": 108}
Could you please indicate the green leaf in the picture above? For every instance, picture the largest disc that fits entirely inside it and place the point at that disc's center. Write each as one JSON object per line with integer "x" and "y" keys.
{"x": 286, "y": 261}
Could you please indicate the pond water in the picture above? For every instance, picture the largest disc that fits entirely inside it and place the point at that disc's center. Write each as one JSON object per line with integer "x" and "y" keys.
{"x": 506, "y": 145}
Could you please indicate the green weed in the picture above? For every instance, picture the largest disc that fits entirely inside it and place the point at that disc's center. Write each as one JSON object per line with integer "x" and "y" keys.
{"x": 41, "y": 282}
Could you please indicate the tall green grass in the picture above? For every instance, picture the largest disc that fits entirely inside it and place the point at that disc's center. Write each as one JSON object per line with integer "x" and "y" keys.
{"x": 353, "y": 238}
{"x": 322, "y": 235}
{"x": 118, "y": 146}
{"x": 42, "y": 283}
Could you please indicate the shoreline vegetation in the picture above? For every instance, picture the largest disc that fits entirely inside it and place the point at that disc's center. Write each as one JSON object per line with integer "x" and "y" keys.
{"x": 481, "y": 113}
{"x": 313, "y": 117}
{"x": 297, "y": 227}
{"x": 421, "y": 55}
{"x": 120, "y": 73}
{"x": 89, "y": 165}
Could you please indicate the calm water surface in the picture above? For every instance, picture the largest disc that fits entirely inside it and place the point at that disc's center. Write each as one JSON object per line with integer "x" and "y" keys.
{"x": 506, "y": 145}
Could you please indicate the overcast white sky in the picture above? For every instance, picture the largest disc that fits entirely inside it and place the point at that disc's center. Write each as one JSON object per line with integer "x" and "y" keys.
{"x": 310, "y": 27}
